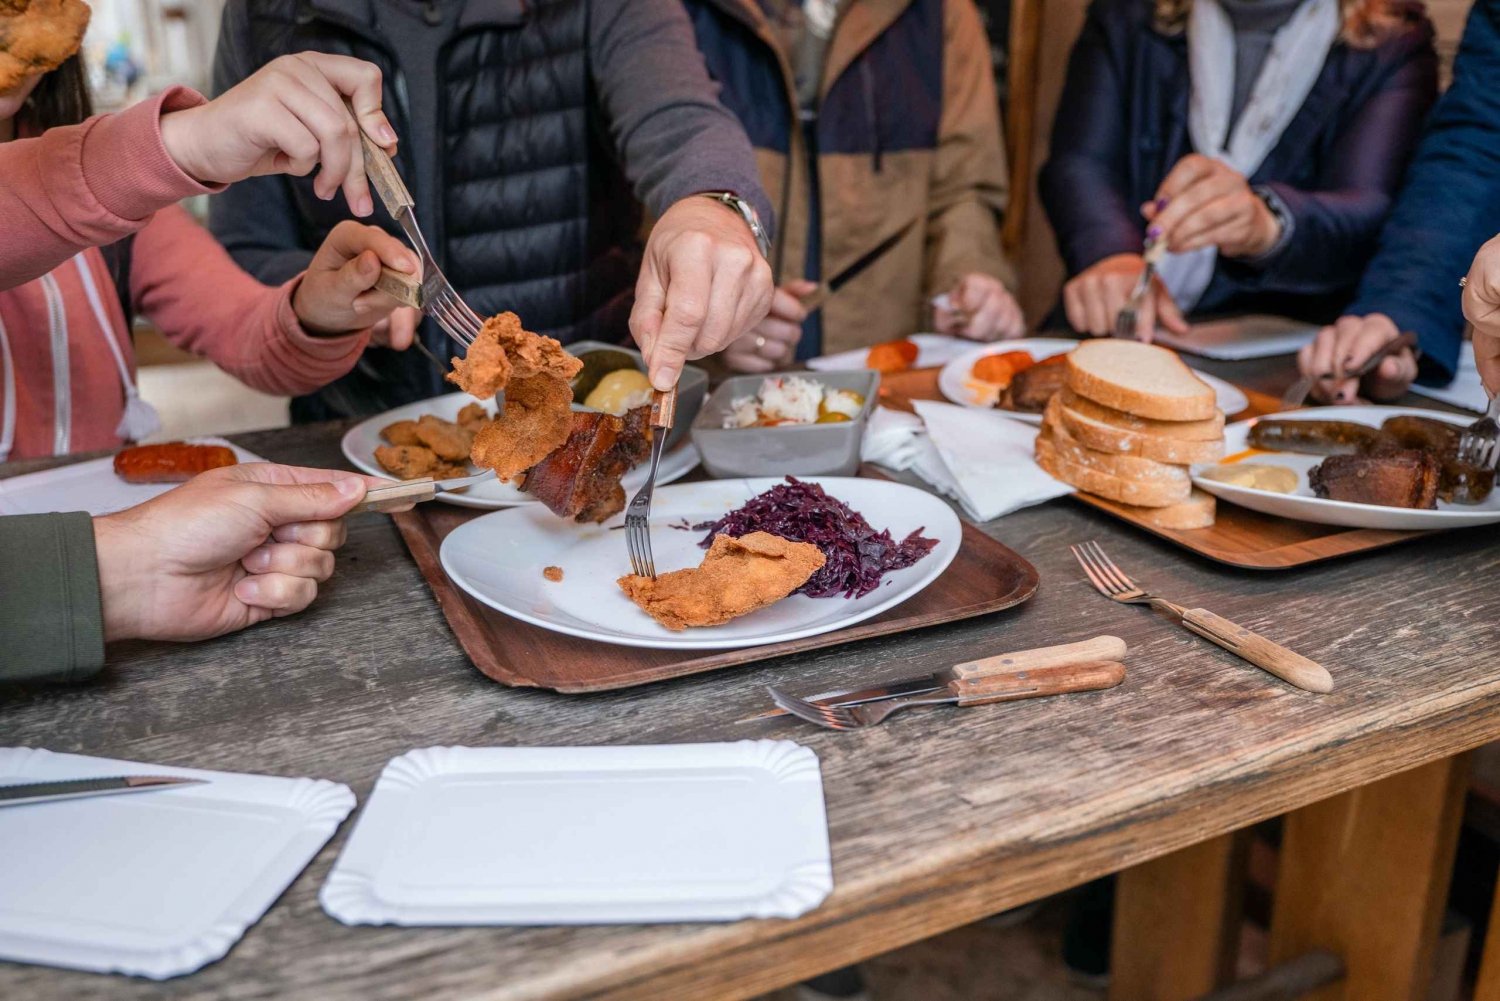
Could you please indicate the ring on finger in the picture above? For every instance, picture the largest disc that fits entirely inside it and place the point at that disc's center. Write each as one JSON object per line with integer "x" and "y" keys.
{"x": 760, "y": 343}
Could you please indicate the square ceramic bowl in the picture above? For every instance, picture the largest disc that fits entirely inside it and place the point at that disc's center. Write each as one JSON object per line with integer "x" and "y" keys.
{"x": 692, "y": 387}
{"x": 791, "y": 450}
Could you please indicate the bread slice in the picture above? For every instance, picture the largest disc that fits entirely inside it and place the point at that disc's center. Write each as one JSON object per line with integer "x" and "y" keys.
{"x": 1140, "y": 379}
{"x": 1104, "y": 437}
{"x": 1209, "y": 430}
{"x": 1196, "y": 512}
{"x": 1073, "y": 464}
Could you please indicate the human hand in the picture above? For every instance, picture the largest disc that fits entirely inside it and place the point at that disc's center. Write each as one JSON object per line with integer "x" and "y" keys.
{"x": 1095, "y": 296}
{"x": 287, "y": 118}
{"x": 1346, "y": 346}
{"x": 397, "y": 331}
{"x": 982, "y": 310}
{"x": 1481, "y": 301}
{"x": 772, "y": 341}
{"x": 1204, "y": 202}
{"x": 703, "y": 284}
{"x": 337, "y": 293}
{"x": 227, "y": 549}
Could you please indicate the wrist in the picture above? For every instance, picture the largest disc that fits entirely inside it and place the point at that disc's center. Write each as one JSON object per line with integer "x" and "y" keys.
{"x": 1269, "y": 227}
{"x": 747, "y": 214}
{"x": 177, "y": 131}
{"x": 120, "y": 589}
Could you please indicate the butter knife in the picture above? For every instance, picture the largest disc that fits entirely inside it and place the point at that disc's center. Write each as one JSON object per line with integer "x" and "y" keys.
{"x": 1100, "y": 648}
{"x": 47, "y": 792}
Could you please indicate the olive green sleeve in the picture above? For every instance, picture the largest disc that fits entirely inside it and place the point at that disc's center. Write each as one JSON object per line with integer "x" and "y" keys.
{"x": 51, "y": 626}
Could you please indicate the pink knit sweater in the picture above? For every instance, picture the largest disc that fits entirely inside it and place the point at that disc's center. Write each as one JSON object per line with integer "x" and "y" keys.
{"x": 73, "y": 189}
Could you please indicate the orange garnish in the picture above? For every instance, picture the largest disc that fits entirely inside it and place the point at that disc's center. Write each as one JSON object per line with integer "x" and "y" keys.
{"x": 892, "y": 356}
{"x": 999, "y": 369}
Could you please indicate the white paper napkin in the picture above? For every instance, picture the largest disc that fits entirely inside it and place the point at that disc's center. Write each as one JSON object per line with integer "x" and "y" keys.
{"x": 1465, "y": 390}
{"x": 932, "y": 350}
{"x": 980, "y": 458}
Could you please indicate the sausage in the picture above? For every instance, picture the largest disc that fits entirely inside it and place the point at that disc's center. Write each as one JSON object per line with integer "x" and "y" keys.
{"x": 170, "y": 462}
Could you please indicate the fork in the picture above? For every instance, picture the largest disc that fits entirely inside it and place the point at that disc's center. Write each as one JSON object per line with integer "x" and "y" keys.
{"x": 1010, "y": 687}
{"x": 1287, "y": 665}
{"x": 1126, "y": 321}
{"x": 638, "y": 514}
{"x": 433, "y": 294}
{"x": 1479, "y": 445}
{"x": 1296, "y": 395}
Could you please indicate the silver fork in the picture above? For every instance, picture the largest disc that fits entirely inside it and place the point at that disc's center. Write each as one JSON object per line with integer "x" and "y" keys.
{"x": 638, "y": 514}
{"x": 1031, "y": 684}
{"x": 433, "y": 294}
{"x": 1479, "y": 445}
{"x": 1127, "y": 320}
{"x": 1287, "y": 665}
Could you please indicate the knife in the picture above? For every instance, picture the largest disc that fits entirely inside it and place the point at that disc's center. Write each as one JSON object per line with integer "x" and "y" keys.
{"x": 1100, "y": 648}
{"x": 399, "y": 495}
{"x": 47, "y": 792}
{"x": 814, "y": 300}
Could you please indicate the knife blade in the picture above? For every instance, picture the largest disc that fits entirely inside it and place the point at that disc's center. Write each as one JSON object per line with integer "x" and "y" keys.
{"x": 815, "y": 299}
{"x": 1100, "y": 648}
{"x": 61, "y": 789}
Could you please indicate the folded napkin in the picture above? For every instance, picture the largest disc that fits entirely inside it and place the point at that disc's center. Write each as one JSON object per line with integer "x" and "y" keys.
{"x": 980, "y": 458}
{"x": 1466, "y": 390}
{"x": 932, "y": 350}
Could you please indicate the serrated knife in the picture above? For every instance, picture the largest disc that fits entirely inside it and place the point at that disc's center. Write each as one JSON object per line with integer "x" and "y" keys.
{"x": 1100, "y": 648}
{"x": 48, "y": 792}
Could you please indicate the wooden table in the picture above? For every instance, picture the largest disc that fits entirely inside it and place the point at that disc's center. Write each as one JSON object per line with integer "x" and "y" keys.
{"x": 937, "y": 819}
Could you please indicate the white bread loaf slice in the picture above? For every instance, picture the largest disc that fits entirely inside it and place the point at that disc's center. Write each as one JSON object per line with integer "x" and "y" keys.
{"x": 1104, "y": 437}
{"x": 1140, "y": 379}
{"x": 1100, "y": 473}
{"x": 1209, "y": 430}
{"x": 1196, "y": 512}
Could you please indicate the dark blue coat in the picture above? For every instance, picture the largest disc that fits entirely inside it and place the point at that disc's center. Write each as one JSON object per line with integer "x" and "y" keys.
{"x": 1122, "y": 125}
{"x": 1449, "y": 206}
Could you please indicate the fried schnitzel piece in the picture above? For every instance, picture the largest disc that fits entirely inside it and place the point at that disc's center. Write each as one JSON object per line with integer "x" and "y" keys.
{"x": 447, "y": 440}
{"x": 503, "y": 351}
{"x": 536, "y": 421}
{"x": 38, "y": 36}
{"x": 401, "y": 433}
{"x": 406, "y": 462}
{"x": 449, "y": 470}
{"x": 473, "y": 416}
{"x": 737, "y": 577}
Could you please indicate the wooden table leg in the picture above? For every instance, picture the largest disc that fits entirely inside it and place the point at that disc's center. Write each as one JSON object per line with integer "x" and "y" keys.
{"x": 1177, "y": 919}
{"x": 1365, "y": 875}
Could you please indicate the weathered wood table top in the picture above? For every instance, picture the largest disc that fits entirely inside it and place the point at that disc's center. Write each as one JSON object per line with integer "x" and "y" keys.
{"x": 938, "y": 818}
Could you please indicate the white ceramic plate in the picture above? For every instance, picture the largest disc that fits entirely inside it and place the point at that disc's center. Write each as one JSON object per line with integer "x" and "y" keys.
{"x": 1303, "y": 506}
{"x": 957, "y": 386}
{"x": 499, "y": 559}
{"x": 360, "y": 441}
{"x": 587, "y": 835}
{"x": 154, "y": 884}
{"x": 932, "y": 349}
{"x": 90, "y": 486}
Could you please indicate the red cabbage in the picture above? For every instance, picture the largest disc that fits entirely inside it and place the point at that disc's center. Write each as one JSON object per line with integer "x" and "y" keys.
{"x": 857, "y": 556}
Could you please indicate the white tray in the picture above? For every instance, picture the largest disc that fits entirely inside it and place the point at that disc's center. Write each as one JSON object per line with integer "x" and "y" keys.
{"x": 587, "y": 835}
{"x": 1239, "y": 338}
{"x": 90, "y": 486}
{"x": 154, "y": 884}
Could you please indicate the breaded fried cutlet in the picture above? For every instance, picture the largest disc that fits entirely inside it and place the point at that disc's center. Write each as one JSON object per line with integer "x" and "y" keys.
{"x": 503, "y": 351}
{"x": 401, "y": 433}
{"x": 737, "y": 577}
{"x": 38, "y": 36}
{"x": 473, "y": 416}
{"x": 537, "y": 420}
{"x": 406, "y": 462}
{"x": 447, "y": 440}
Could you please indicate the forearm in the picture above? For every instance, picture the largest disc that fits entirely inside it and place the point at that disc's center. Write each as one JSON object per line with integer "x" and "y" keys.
{"x": 674, "y": 137}
{"x": 964, "y": 239}
{"x": 1090, "y": 216}
{"x": 1333, "y": 234}
{"x": 51, "y": 628}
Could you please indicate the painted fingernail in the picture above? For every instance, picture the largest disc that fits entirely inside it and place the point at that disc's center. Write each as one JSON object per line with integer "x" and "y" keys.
{"x": 1162, "y": 203}
{"x": 1153, "y": 232}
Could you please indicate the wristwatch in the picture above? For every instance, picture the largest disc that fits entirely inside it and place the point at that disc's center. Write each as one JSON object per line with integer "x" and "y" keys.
{"x": 746, "y": 212}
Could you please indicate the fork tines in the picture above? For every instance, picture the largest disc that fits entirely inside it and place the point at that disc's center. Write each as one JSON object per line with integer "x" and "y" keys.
{"x": 1109, "y": 579}
{"x": 832, "y": 717}
{"x": 1479, "y": 445}
{"x": 638, "y": 536}
{"x": 453, "y": 314}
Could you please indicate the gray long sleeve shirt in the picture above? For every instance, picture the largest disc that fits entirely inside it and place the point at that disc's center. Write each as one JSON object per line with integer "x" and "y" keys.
{"x": 51, "y": 622}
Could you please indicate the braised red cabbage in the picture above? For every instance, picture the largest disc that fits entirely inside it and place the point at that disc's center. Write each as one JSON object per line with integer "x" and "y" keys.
{"x": 857, "y": 555}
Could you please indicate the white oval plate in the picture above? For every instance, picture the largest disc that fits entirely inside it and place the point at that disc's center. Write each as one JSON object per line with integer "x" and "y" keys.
{"x": 499, "y": 558}
{"x": 1303, "y": 506}
{"x": 360, "y": 441}
{"x": 955, "y": 384}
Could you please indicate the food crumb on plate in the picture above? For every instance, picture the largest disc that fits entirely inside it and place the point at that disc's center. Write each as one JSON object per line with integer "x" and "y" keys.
{"x": 554, "y": 574}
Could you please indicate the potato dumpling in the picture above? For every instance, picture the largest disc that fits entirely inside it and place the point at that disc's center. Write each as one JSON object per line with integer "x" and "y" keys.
{"x": 620, "y": 391}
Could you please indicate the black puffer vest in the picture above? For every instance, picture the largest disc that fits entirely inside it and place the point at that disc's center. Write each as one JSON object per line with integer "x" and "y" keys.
{"x": 538, "y": 216}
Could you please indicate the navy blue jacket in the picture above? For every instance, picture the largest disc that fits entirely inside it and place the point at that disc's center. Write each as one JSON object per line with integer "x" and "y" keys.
{"x": 1450, "y": 205}
{"x": 1122, "y": 125}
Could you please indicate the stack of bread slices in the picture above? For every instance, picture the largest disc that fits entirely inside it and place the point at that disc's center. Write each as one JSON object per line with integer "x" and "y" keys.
{"x": 1128, "y": 424}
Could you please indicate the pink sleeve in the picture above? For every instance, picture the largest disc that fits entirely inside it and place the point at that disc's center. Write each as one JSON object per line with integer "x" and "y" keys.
{"x": 87, "y": 185}
{"x": 186, "y": 283}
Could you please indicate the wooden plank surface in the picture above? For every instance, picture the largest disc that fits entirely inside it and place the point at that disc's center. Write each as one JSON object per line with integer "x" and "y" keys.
{"x": 937, "y": 819}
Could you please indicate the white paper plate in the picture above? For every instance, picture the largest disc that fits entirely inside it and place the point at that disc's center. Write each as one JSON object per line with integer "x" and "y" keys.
{"x": 360, "y": 441}
{"x": 587, "y": 835}
{"x": 957, "y": 386}
{"x": 90, "y": 486}
{"x": 1237, "y": 338}
{"x": 1303, "y": 506}
{"x": 499, "y": 558}
{"x": 154, "y": 884}
{"x": 932, "y": 349}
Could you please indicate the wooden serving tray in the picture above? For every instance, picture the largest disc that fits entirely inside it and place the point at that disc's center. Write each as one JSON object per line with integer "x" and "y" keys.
{"x": 984, "y": 577}
{"x": 1239, "y": 537}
